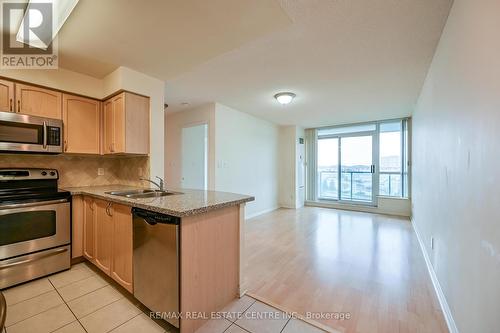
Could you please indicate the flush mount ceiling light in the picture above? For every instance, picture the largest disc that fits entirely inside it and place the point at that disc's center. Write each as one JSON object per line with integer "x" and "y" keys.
{"x": 42, "y": 21}
{"x": 284, "y": 98}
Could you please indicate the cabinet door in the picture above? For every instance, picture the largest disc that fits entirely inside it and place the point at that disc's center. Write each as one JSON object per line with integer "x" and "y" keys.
{"x": 108, "y": 128}
{"x": 77, "y": 226}
{"x": 104, "y": 235}
{"x": 136, "y": 124}
{"x": 6, "y": 96}
{"x": 121, "y": 268}
{"x": 89, "y": 219}
{"x": 38, "y": 101}
{"x": 119, "y": 123}
{"x": 81, "y": 117}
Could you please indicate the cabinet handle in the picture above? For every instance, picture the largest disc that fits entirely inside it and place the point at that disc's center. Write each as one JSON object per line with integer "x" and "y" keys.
{"x": 10, "y": 104}
{"x": 108, "y": 209}
{"x": 113, "y": 147}
{"x": 65, "y": 145}
{"x": 18, "y": 105}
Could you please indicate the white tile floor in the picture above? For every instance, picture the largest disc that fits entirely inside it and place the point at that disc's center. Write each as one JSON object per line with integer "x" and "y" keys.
{"x": 82, "y": 300}
{"x": 74, "y": 301}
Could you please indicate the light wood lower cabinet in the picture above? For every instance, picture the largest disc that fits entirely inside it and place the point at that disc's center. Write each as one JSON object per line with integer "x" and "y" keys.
{"x": 121, "y": 266}
{"x": 77, "y": 226}
{"x": 107, "y": 238}
{"x": 89, "y": 220}
{"x": 104, "y": 235}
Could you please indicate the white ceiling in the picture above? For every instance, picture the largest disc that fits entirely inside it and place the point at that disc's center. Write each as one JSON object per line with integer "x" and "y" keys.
{"x": 347, "y": 61}
{"x": 161, "y": 38}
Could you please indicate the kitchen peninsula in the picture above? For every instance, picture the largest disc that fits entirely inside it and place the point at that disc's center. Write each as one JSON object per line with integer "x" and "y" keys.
{"x": 204, "y": 246}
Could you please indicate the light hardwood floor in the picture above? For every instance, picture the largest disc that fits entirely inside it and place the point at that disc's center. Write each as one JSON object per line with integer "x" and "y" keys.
{"x": 325, "y": 260}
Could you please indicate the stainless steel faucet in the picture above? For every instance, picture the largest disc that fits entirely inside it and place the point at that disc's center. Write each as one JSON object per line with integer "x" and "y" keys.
{"x": 160, "y": 185}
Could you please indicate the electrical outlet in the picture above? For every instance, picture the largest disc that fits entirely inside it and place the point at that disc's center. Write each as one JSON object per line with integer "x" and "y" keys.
{"x": 432, "y": 243}
{"x": 100, "y": 171}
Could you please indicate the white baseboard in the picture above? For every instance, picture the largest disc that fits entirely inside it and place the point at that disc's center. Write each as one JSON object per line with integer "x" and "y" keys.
{"x": 247, "y": 217}
{"x": 452, "y": 327}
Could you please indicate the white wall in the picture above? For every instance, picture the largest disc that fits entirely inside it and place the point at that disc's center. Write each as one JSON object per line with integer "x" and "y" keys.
{"x": 174, "y": 122}
{"x": 246, "y": 158}
{"x": 456, "y": 145}
{"x": 59, "y": 79}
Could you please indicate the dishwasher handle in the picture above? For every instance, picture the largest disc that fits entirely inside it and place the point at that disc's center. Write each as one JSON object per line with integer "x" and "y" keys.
{"x": 153, "y": 218}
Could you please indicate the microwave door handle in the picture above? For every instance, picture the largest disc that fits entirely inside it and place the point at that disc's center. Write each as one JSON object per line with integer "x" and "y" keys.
{"x": 44, "y": 135}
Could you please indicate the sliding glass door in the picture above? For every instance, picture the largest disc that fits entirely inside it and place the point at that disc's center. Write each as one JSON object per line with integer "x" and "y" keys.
{"x": 357, "y": 169}
{"x": 345, "y": 167}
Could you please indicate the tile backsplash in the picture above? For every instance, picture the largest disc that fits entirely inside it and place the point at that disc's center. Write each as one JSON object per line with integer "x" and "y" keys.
{"x": 82, "y": 170}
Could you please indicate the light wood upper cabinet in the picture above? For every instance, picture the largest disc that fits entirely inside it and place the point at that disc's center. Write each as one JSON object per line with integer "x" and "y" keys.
{"x": 37, "y": 101}
{"x": 89, "y": 221}
{"x": 126, "y": 124}
{"x": 108, "y": 130}
{"x": 121, "y": 267}
{"x": 82, "y": 125}
{"x": 104, "y": 235}
{"x": 6, "y": 96}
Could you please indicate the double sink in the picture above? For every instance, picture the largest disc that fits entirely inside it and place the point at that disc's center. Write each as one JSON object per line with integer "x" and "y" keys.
{"x": 141, "y": 194}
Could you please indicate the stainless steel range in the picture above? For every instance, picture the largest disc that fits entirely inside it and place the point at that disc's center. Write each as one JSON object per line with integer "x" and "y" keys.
{"x": 35, "y": 223}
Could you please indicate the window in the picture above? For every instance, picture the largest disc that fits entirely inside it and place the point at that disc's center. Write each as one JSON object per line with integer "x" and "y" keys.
{"x": 393, "y": 154}
{"x": 359, "y": 162}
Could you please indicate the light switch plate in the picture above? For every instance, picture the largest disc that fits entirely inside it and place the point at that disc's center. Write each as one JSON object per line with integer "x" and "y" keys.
{"x": 100, "y": 171}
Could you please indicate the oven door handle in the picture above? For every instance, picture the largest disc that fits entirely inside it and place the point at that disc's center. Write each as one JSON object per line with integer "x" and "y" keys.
{"x": 44, "y": 134}
{"x": 33, "y": 204}
{"x": 35, "y": 258}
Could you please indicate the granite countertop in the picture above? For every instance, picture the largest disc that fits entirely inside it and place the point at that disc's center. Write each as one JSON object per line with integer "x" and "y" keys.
{"x": 190, "y": 202}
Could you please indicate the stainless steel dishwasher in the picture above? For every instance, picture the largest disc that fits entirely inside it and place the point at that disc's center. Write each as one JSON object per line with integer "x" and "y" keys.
{"x": 156, "y": 262}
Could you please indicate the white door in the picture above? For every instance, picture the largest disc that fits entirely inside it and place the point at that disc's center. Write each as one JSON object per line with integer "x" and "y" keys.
{"x": 194, "y": 157}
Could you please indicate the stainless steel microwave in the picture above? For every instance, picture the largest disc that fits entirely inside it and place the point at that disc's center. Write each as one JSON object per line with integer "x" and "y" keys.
{"x": 20, "y": 133}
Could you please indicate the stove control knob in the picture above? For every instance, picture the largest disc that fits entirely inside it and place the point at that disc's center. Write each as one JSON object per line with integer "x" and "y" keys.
{"x": 52, "y": 173}
{"x": 44, "y": 173}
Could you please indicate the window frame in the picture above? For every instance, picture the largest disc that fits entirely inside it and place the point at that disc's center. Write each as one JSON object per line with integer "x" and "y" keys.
{"x": 312, "y": 152}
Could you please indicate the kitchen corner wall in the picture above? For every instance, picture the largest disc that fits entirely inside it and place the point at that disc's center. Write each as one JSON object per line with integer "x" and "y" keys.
{"x": 455, "y": 187}
{"x": 85, "y": 167}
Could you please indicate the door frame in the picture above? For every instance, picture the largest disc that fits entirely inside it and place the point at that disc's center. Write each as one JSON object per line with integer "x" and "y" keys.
{"x": 375, "y": 163}
{"x": 207, "y": 149}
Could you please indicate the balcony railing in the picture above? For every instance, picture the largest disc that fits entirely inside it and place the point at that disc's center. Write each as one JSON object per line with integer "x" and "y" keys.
{"x": 357, "y": 185}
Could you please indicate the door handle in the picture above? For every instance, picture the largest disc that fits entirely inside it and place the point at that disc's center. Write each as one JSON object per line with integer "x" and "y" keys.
{"x": 35, "y": 258}
{"x": 372, "y": 168}
{"x": 44, "y": 135}
{"x": 33, "y": 204}
{"x": 108, "y": 209}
